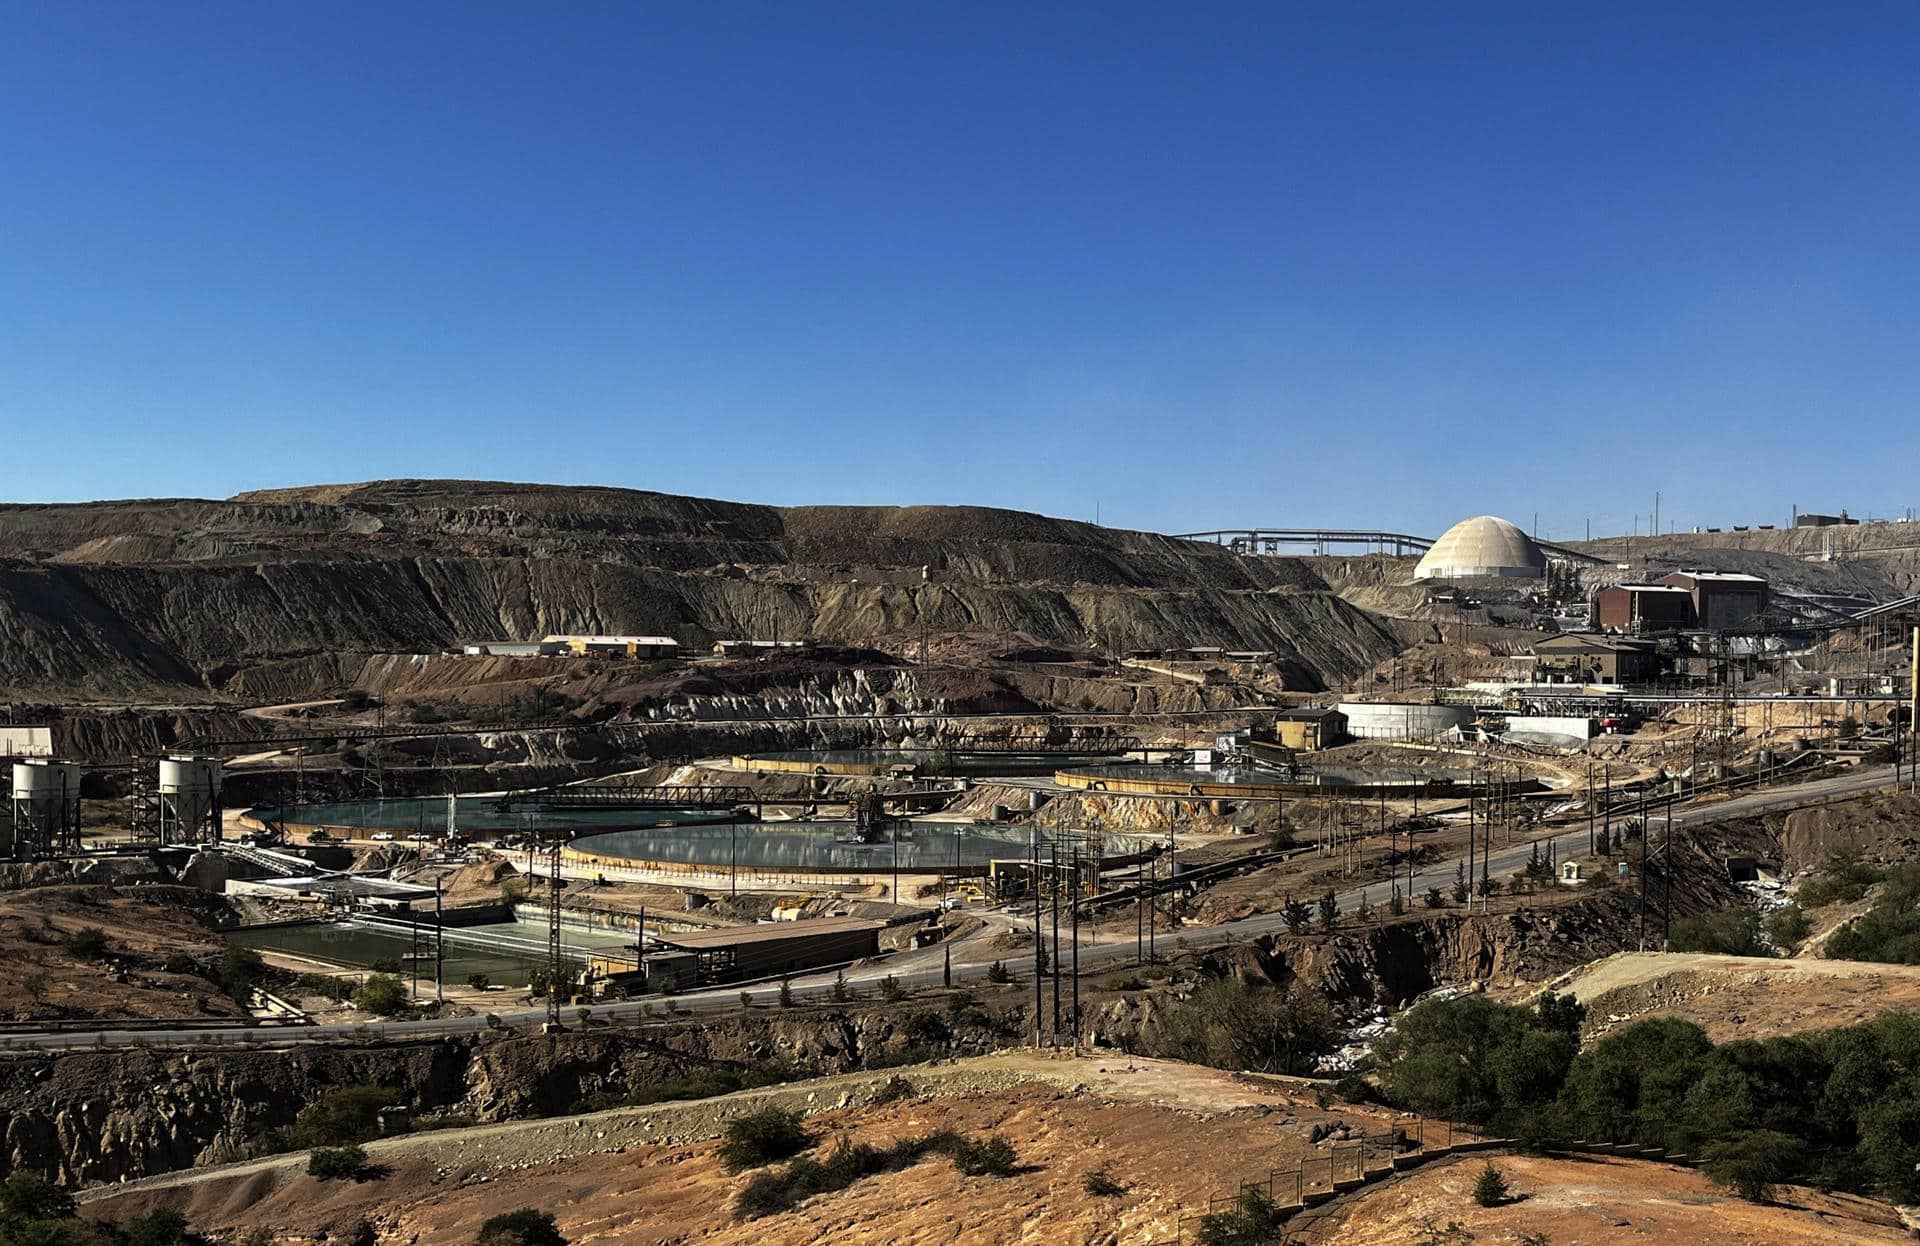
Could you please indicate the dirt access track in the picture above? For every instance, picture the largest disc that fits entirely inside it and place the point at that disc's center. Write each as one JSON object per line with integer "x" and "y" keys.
{"x": 1170, "y": 1134}
{"x": 1737, "y": 996}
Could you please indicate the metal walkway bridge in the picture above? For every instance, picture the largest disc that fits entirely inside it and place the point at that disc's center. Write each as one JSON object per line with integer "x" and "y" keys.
{"x": 1273, "y": 540}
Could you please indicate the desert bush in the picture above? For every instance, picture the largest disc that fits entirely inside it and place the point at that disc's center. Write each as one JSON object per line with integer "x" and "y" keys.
{"x": 526, "y": 1226}
{"x": 763, "y": 1137}
{"x": 337, "y": 1163}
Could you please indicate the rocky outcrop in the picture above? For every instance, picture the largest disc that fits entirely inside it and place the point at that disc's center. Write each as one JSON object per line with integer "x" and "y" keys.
{"x": 87, "y": 1117}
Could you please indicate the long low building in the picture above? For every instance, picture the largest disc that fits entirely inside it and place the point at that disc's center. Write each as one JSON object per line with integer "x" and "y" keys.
{"x": 742, "y": 953}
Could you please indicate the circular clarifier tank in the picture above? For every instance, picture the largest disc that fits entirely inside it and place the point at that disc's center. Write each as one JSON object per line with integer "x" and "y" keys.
{"x": 833, "y": 847}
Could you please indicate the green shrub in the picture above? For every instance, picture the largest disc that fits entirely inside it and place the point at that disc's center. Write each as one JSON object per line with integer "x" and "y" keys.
{"x": 523, "y": 1227}
{"x": 337, "y": 1163}
{"x": 1253, "y": 1220}
{"x": 999, "y": 974}
{"x": 1729, "y": 932}
{"x": 763, "y": 1137}
{"x": 381, "y": 993}
{"x": 343, "y": 1116}
{"x": 1752, "y": 1163}
{"x": 993, "y": 1157}
{"x": 86, "y": 943}
{"x": 1100, "y": 1183}
{"x": 31, "y": 1196}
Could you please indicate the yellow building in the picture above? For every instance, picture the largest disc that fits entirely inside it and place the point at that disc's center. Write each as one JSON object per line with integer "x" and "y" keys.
{"x": 1311, "y": 726}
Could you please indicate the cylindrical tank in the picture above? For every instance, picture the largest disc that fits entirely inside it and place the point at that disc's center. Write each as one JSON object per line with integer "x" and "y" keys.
{"x": 48, "y": 780}
{"x": 1378, "y": 720}
{"x": 189, "y": 799}
{"x": 182, "y": 774}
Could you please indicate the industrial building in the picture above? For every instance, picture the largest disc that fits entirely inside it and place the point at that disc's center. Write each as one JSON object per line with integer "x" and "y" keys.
{"x": 1642, "y": 608}
{"x": 619, "y": 646}
{"x": 744, "y": 953}
{"x": 1592, "y": 658}
{"x": 514, "y": 648}
{"x": 1484, "y": 547}
{"x": 1721, "y": 599}
{"x": 1311, "y": 727}
{"x": 753, "y": 648}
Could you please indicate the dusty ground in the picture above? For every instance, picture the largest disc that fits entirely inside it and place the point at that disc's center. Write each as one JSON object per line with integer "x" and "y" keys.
{"x": 1170, "y": 1134}
{"x": 142, "y": 925}
{"x": 1597, "y": 1202}
{"x": 1738, "y": 996}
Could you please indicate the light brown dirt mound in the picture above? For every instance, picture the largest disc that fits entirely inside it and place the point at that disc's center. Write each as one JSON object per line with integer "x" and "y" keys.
{"x": 1738, "y": 996}
{"x": 1597, "y": 1202}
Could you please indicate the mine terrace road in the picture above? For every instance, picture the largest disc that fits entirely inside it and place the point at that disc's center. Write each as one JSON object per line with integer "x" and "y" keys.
{"x": 925, "y": 967}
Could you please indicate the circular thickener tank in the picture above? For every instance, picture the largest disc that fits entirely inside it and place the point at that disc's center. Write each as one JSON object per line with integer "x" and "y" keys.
{"x": 1375, "y": 720}
{"x": 45, "y": 780}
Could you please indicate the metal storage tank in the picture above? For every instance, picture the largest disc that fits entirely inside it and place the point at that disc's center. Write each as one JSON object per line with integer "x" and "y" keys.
{"x": 1379, "y": 720}
{"x": 46, "y": 807}
{"x": 189, "y": 800}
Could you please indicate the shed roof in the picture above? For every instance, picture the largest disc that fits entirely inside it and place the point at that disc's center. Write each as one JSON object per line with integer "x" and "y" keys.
{"x": 769, "y": 932}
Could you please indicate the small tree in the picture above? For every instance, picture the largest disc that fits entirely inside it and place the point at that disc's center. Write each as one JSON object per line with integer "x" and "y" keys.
{"x": 31, "y": 1196}
{"x": 1363, "y": 911}
{"x": 1490, "y": 1187}
{"x": 1433, "y": 899}
{"x": 1752, "y": 1163}
{"x": 1329, "y": 910}
{"x": 786, "y": 993}
{"x": 1460, "y": 891}
{"x": 891, "y": 990}
{"x": 479, "y": 981}
{"x": 1396, "y": 906}
{"x": 999, "y": 974}
{"x": 841, "y": 991}
{"x": 1297, "y": 915}
{"x": 381, "y": 993}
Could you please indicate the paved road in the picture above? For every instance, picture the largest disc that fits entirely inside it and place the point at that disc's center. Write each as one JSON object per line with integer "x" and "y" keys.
{"x": 972, "y": 956}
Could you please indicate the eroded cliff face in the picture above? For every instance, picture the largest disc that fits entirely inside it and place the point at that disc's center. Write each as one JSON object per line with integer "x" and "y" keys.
{"x": 87, "y": 1117}
{"x": 116, "y": 598}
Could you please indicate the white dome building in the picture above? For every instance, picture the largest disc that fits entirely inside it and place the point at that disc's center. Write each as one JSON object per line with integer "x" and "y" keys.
{"x": 1484, "y": 547}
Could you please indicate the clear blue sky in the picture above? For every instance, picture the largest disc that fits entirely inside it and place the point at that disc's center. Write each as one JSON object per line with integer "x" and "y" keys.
{"x": 1195, "y": 265}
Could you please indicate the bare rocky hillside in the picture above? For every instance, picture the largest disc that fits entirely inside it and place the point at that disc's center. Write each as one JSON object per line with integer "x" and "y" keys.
{"x": 140, "y": 598}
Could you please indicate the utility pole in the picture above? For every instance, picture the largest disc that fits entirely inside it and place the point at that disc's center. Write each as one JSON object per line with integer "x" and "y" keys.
{"x": 1053, "y": 904}
{"x": 1075, "y": 910}
{"x": 439, "y": 946}
{"x": 1039, "y": 939}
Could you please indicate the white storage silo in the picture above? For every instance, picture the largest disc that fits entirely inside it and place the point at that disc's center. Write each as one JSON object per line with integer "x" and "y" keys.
{"x": 189, "y": 800}
{"x": 46, "y": 808}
